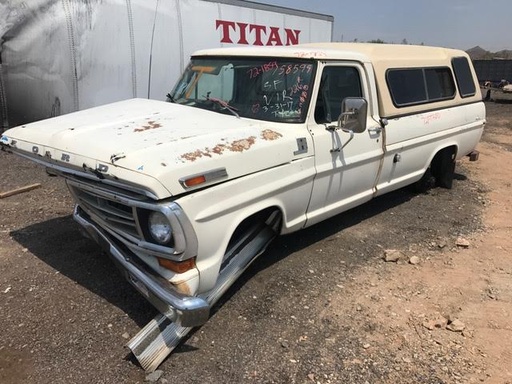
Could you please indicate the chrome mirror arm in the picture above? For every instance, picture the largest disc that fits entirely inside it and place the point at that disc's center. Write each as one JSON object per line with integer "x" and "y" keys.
{"x": 338, "y": 149}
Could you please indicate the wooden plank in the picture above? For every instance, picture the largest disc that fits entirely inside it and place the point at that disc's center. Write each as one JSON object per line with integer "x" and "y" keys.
{"x": 19, "y": 190}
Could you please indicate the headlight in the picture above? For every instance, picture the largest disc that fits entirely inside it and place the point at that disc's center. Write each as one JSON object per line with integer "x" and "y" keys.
{"x": 159, "y": 228}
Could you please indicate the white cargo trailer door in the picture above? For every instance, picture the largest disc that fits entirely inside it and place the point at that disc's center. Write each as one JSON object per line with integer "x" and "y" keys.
{"x": 185, "y": 26}
{"x": 114, "y": 50}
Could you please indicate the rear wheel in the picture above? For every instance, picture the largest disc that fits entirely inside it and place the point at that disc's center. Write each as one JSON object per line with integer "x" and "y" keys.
{"x": 440, "y": 173}
{"x": 443, "y": 168}
{"x": 426, "y": 182}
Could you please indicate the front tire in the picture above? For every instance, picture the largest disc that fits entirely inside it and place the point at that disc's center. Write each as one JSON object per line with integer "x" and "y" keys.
{"x": 249, "y": 241}
{"x": 253, "y": 236}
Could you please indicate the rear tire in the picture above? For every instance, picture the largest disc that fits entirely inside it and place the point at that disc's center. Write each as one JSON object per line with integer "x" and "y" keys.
{"x": 426, "y": 182}
{"x": 443, "y": 168}
{"x": 440, "y": 173}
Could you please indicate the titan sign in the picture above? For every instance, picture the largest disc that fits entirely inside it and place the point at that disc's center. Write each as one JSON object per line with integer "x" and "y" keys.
{"x": 255, "y": 34}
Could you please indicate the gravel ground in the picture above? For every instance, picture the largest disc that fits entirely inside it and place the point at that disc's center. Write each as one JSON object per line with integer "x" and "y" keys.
{"x": 320, "y": 306}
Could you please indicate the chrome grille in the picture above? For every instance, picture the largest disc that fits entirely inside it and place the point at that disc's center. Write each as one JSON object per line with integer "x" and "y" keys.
{"x": 118, "y": 217}
{"x": 118, "y": 211}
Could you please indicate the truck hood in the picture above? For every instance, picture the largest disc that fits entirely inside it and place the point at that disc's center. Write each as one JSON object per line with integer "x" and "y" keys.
{"x": 158, "y": 145}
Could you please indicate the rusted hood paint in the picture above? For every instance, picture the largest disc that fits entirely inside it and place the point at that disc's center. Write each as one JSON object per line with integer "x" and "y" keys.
{"x": 154, "y": 144}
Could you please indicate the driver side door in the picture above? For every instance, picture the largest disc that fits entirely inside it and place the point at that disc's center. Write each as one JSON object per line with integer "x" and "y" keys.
{"x": 345, "y": 175}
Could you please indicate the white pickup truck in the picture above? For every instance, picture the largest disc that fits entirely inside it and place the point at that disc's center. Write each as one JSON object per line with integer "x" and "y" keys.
{"x": 253, "y": 143}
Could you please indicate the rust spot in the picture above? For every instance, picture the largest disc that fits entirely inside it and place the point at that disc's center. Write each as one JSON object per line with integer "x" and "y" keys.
{"x": 150, "y": 125}
{"x": 219, "y": 149}
{"x": 242, "y": 145}
{"x": 268, "y": 134}
{"x": 182, "y": 287}
{"x": 193, "y": 156}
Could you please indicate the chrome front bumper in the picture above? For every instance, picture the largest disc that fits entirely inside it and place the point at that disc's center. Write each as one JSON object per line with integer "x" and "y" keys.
{"x": 187, "y": 311}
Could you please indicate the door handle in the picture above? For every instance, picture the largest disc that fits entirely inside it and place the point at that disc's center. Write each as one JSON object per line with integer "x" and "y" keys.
{"x": 375, "y": 130}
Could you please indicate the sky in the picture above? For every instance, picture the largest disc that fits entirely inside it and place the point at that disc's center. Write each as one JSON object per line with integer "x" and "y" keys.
{"x": 461, "y": 24}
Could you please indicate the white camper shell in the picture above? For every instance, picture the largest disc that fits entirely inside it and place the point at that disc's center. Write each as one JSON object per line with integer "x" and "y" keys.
{"x": 254, "y": 142}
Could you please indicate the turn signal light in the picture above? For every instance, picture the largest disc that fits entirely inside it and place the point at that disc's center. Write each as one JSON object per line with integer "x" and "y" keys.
{"x": 197, "y": 180}
{"x": 177, "y": 266}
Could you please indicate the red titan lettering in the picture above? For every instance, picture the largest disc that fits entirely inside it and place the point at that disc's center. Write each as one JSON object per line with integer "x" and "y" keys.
{"x": 255, "y": 34}
{"x": 225, "y": 30}
{"x": 274, "y": 38}
{"x": 292, "y": 36}
{"x": 257, "y": 31}
{"x": 243, "y": 30}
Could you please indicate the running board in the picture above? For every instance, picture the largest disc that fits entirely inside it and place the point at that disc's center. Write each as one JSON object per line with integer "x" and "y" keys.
{"x": 156, "y": 341}
{"x": 160, "y": 336}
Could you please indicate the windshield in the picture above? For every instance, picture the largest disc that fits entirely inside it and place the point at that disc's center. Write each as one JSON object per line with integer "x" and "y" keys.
{"x": 258, "y": 88}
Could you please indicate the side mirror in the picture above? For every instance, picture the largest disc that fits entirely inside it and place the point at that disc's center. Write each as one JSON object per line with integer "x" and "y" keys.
{"x": 353, "y": 114}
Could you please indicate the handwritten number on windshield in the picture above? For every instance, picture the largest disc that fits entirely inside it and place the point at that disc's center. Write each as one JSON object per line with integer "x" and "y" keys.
{"x": 279, "y": 70}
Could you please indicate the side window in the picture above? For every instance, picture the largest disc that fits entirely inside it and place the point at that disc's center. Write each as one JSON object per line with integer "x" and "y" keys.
{"x": 336, "y": 84}
{"x": 464, "y": 77}
{"x": 440, "y": 85}
{"x": 413, "y": 86}
{"x": 407, "y": 86}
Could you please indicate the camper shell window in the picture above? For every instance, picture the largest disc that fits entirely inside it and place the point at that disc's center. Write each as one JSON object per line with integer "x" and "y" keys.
{"x": 412, "y": 86}
{"x": 464, "y": 77}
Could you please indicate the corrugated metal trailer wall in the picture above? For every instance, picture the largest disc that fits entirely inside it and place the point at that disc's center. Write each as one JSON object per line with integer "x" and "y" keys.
{"x": 493, "y": 70}
{"x": 59, "y": 56}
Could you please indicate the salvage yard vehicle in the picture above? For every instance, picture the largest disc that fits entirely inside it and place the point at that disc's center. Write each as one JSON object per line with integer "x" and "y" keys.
{"x": 502, "y": 94}
{"x": 252, "y": 143}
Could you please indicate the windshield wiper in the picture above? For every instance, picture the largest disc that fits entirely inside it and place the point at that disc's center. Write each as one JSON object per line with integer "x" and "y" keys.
{"x": 170, "y": 98}
{"x": 224, "y": 105}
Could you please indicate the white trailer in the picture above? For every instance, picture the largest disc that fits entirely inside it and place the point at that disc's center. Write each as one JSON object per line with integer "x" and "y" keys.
{"x": 62, "y": 56}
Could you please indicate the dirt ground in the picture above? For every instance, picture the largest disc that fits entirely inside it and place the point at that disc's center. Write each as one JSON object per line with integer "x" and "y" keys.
{"x": 320, "y": 306}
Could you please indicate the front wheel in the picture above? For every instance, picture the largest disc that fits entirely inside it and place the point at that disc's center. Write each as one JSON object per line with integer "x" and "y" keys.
{"x": 252, "y": 236}
{"x": 249, "y": 241}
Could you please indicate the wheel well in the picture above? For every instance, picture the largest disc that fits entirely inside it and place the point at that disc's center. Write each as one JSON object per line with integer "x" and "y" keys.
{"x": 450, "y": 151}
{"x": 439, "y": 172}
{"x": 257, "y": 218}
{"x": 442, "y": 167}
{"x": 266, "y": 222}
